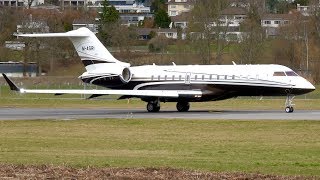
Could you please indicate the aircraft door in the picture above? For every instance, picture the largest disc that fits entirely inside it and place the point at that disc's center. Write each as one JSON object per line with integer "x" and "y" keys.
{"x": 187, "y": 79}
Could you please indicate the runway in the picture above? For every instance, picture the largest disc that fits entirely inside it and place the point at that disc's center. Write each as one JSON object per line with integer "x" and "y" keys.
{"x": 73, "y": 114}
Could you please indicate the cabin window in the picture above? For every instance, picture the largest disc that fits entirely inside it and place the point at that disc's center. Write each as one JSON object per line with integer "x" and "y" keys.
{"x": 202, "y": 77}
{"x": 152, "y": 78}
{"x": 165, "y": 77}
{"x": 159, "y": 78}
{"x": 180, "y": 78}
{"x": 210, "y": 77}
{"x": 195, "y": 77}
{"x": 173, "y": 78}
{"x": 291, "y": 73}
{"x": 280, "y": 73}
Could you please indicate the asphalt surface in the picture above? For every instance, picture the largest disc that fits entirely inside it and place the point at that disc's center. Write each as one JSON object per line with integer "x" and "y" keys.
{"x": 72, "y": 114}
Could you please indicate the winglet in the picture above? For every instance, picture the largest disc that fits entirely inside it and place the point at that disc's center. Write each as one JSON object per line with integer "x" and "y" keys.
{"x": 13, "y": 86}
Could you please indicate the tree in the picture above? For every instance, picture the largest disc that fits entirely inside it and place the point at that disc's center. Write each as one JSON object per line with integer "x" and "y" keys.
{"x": 158, "y": 44}
{"x": 251, "y": 45}
{"x": 109, "y": 13}
{"x": 271, "y": 5}
{"x": 205, "y": 28}
{"x": 162, "y": 19}
{"x": 157, "y": 5}
{"x": 108, "y": 20}
{"x": 30, "y": 3}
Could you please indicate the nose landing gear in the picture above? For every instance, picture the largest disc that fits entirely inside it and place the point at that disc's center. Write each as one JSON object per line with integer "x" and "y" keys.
{"x": 289, "y": 105}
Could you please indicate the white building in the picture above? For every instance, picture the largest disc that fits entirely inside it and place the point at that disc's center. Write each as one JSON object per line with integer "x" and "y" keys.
{"x": 20, "y": 3}
{"x": 90, "y": 24}
{"x": 176, "y": 7}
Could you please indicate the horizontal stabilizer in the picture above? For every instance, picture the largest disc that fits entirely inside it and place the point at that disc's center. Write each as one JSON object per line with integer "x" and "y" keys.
{"x": 12, "y": 85}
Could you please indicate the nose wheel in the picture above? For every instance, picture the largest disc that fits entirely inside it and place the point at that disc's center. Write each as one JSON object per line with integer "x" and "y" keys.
{"x": 289, "y": 105}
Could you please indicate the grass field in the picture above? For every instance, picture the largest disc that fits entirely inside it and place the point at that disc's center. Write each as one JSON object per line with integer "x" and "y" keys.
{"x": 270, "y": 147}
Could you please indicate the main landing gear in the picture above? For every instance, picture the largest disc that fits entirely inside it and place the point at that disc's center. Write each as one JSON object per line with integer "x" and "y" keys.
{"x": 154, "y": 106}
{"x": 289, "y": 106}
{"x": 183, "y": 106}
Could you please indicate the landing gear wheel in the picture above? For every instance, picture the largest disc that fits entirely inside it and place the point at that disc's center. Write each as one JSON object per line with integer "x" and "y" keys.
{"x": 183, "y": 106}
{"x": 289, "y": 105}
{"x": 153, "y": 107}
{"x": 289, "y": 109}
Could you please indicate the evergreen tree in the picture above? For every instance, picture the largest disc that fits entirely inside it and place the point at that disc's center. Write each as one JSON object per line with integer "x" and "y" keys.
{"x": 162, "y": 19}
{"x": 109, "y": 13}
{"x": 157, "y": 5}
{"x": 108, "y": 21}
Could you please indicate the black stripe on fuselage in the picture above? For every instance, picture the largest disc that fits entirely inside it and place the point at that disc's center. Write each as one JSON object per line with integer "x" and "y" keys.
{"x": 89, "y": 62}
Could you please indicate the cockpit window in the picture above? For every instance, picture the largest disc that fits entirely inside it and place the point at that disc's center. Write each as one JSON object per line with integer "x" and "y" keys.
{"x": 280, "y": 73}
{"x": 291, "y": 73}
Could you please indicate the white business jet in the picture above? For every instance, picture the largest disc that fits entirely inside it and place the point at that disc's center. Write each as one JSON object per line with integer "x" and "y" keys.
{"x": 175, "y": 83}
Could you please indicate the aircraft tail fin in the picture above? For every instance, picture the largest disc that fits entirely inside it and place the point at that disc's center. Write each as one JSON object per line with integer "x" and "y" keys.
{"x": 89, "y": 48}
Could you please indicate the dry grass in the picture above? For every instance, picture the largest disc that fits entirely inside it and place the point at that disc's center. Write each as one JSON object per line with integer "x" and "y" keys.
{"x": 62, "y": 172}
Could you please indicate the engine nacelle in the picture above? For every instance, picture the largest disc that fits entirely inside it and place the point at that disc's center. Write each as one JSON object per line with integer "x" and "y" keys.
{"x": 126, "y": 75}
{"x": 108, "y": 75}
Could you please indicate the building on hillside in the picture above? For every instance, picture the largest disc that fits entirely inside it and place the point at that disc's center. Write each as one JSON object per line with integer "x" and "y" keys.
{"x": 32, "y": 26}
{"x": 15, "y": 45}
{"x": 145, "y": 33}
{"x": 90, "y": 24}
{"x": 20, "y": 3}
{"x": 181, "y": 20}
{"x": 232, "y": 16}
{"x": 304, "y": 10}
{"x": 19, "y": 69}
{"x": 176, "y": 7}
{"x": 311, "y": 8}
{"x": 272, "y": 23}
{"x": 129, "y": 19}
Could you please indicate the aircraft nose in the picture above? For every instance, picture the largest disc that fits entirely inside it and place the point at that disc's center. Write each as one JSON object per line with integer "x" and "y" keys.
{"x": 310, "y": 86}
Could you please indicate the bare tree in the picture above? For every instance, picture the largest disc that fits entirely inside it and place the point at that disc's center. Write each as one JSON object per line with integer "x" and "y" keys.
{"x": 206, "y": 28}
{"x": 252, "y": 40}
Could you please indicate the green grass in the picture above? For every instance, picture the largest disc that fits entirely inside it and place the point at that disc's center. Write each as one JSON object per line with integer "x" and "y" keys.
{"x": 270, "y": 147}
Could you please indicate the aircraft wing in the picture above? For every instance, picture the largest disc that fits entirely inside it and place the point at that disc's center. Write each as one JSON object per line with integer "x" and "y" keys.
{"x": 135, "y": 93}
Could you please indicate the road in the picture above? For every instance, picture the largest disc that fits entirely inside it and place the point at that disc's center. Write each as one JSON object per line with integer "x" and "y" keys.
{"x": 70, "y": 114}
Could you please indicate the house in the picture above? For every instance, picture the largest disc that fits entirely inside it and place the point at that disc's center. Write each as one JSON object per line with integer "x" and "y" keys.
{"x": 181, "y": 20}
{"x": 308, "y": 10}
{"x": 145, "y": 33}
{"x": 18, "y": 69}
{"x": 20, "y": 3}
{"x": 32, "y": 26}
{"x": 90, "y": 24}
{"x": 129, "y": 19}
{"x": 272, "y": 23}
{"x": 232, "y": 16}
{"x": 122, "y": 6}
{"x": 15, "y": 45}
{"x": 176, "y": 7}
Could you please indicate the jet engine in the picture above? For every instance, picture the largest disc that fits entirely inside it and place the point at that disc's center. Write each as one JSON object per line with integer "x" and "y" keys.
{"x": 111, "y": 75}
